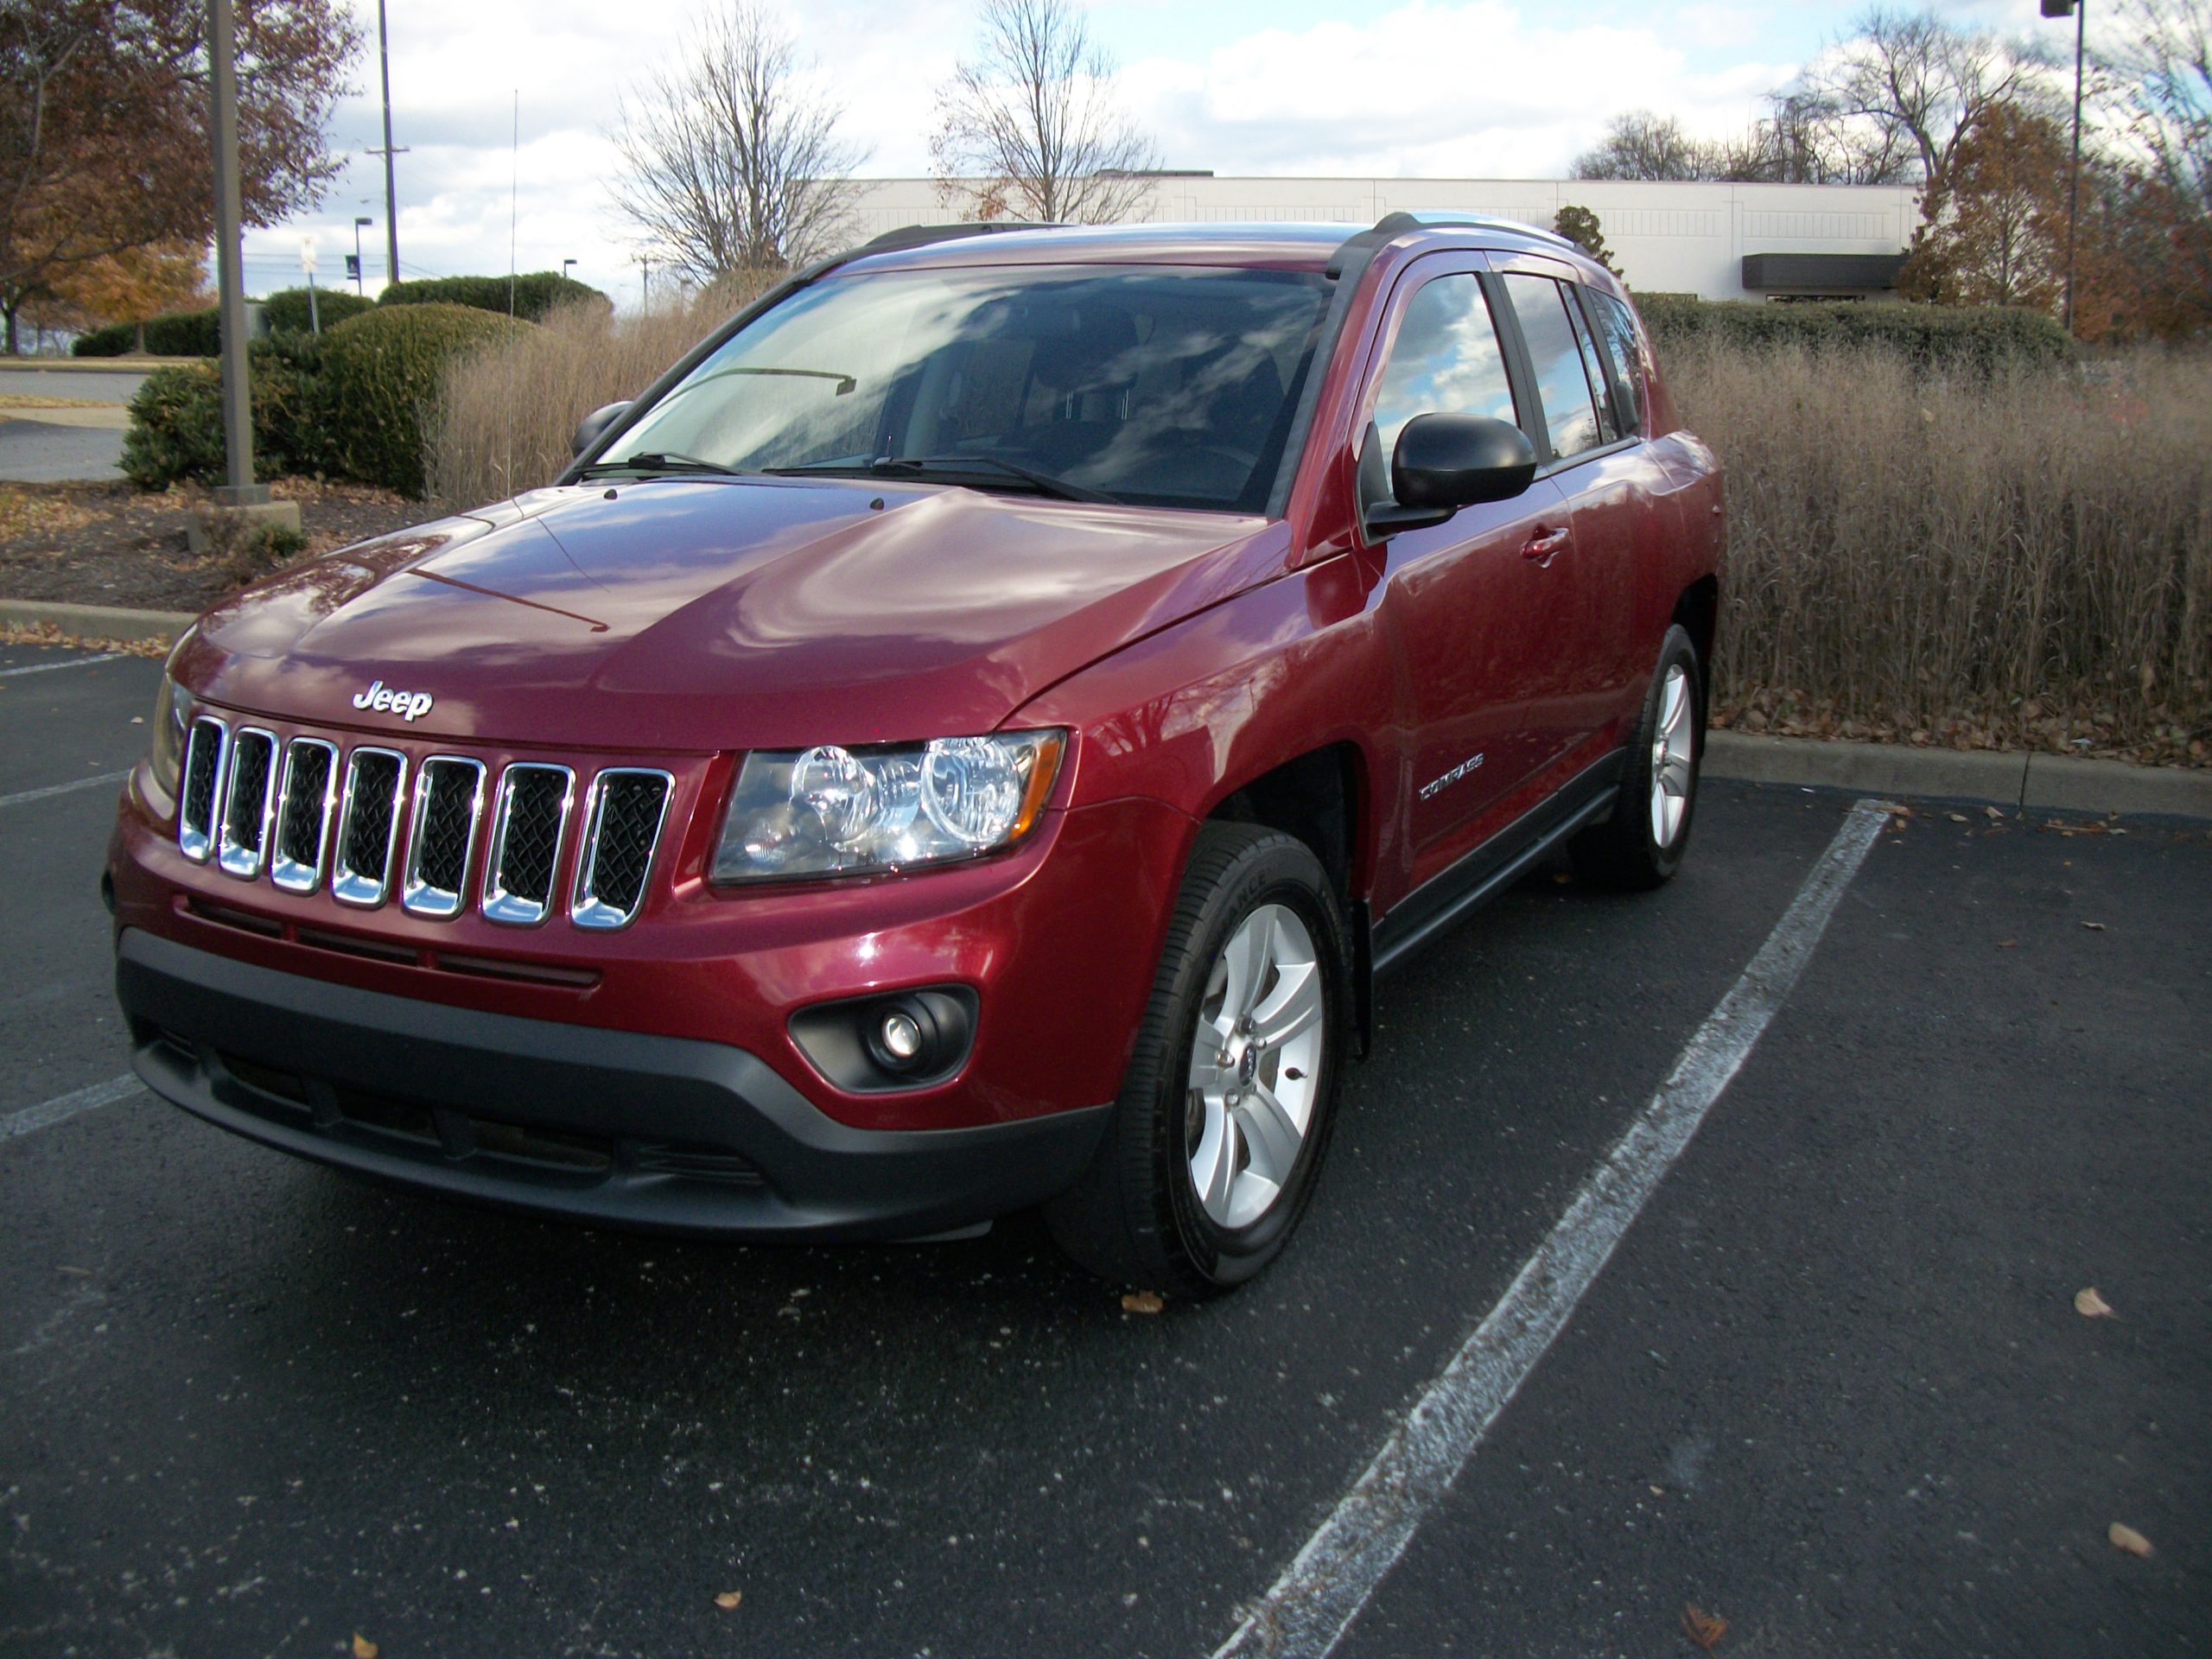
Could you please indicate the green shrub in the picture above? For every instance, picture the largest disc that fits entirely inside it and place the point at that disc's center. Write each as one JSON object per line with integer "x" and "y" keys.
{"x": 1982, "y": 338}
{"x": 177, "y": 428}
{"x": 188, "y": 334}
{"x": 535, "y": 294}
{"x": 286, "y": 311}
{"x": 382, "y": 371}
{"x": 295, "y": 421}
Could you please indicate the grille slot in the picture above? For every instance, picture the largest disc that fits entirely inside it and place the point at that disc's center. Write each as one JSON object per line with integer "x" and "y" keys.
{"x": 361, "y": 867}
{"x": 202, "y": 787}
{"x": 621, "y": 829}
{"x": 303, "y": 814}
{"x": 529, "y": 825}
{"x": 449, "y": 800}
{"x": 249, "y": 798}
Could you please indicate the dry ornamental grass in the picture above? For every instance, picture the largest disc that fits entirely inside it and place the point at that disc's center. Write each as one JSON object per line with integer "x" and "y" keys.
{"x": 2019, "y": 558}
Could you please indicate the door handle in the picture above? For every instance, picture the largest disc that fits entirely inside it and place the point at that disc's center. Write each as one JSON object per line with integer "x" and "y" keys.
{"x": 1545, "y": 543}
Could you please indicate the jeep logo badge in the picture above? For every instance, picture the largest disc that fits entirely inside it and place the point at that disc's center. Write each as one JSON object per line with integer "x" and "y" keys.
{"x": 379, "y": 699}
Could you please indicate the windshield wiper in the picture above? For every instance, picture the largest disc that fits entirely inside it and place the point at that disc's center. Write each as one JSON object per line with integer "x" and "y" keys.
{"x": 955, "y": 468}
{"x": 656, "y": 462}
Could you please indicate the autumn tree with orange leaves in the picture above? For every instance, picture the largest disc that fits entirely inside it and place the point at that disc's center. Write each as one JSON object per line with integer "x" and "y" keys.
{"x": 104, "y": 128}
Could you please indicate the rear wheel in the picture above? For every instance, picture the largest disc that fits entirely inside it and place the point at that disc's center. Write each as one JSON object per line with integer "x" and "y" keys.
{"x": 1643, "y": 842}
{"x": 1225, "y": 1112}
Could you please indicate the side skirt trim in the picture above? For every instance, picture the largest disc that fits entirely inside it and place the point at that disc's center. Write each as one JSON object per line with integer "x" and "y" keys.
{"x": 1497, "y": 864}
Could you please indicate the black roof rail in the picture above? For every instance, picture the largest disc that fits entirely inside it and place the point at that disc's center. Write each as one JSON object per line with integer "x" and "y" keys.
{"x": 1357, "y": 249}
{"x": 921, "y": 236}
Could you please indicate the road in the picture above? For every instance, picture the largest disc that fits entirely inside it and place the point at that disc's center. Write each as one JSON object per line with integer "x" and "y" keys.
{"x": 69, "y": 444}
{"x": 1831, "y": 1387}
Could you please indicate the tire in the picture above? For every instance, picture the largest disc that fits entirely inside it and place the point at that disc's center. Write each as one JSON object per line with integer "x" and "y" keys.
{"x": 1642, "y": 843}
{"x": 1139, "y": 1215}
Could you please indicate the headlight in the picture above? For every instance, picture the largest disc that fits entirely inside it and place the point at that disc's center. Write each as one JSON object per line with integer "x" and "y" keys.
{"x": 172, "y": 705}
{"x": 834, "y": 811}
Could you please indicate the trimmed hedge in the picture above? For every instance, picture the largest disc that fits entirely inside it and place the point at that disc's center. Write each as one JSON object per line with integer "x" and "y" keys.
{"x": 381, "y": 371}
{"x": 287, "y": 312}
{"x": 187, "y": 334}
{"x": 534, "y": 295}
{"x": 1930, "y": 336}
{"x": 177, "y": 428}
{"x": 347, "y": 403}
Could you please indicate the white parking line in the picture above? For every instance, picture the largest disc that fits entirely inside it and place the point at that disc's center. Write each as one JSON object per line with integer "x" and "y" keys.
{"x": 49, "y": 667}
{"x": 1314, "y": 1602}
{"x": 66, "y": 1106}
{"x": 62, "y": 789}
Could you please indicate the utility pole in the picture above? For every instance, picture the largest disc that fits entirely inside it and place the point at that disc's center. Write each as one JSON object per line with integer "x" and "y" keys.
{"x": 2079, "y": 9}
{"x": 238, "y": 489}
{"x": 390, "y": 190}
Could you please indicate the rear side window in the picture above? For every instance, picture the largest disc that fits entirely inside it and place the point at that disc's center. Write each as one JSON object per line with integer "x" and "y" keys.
{"x": 1562, "y": 382}
{"x": 1446, "y": 361}
{"x": 1624, "y": 356}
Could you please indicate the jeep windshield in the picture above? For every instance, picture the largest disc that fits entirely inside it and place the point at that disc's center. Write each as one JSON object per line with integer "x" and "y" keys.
{"x": 1157, "y": 386}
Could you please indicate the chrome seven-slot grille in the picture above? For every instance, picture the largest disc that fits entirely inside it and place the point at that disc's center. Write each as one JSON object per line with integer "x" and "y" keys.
{"x": 254, "y": 803}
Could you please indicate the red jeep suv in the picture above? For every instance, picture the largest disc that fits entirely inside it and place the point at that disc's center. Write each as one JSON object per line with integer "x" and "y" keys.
{"x": 970, "y": 736}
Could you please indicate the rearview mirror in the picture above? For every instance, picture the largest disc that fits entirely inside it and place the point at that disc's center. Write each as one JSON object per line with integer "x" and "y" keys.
{"x": 1445, "y": 463}
{"x": 589, "y": 428}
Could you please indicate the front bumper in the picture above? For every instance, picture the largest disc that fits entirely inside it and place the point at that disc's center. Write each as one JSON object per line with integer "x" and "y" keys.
{"x": 669, "y": 1133}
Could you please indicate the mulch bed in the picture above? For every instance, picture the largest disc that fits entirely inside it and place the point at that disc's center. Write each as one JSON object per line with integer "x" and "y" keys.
{"x": 116, "y": 544}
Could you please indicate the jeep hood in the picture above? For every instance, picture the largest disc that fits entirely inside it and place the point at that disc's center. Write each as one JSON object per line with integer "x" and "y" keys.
{"x": 710, "y": 613}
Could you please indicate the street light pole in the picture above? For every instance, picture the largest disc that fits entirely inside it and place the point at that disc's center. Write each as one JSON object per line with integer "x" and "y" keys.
{"x": 2079, "y": 10}
{"x": 238, "y": 489}
{"x": 390, "y": 189}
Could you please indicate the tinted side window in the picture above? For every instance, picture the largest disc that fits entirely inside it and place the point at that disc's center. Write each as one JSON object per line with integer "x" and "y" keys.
{"x": 1446, "y": 360}
{"x": 1624, "y": 356}
{"x": 1556, "y": 356}
{"x": 1609, "y": 426}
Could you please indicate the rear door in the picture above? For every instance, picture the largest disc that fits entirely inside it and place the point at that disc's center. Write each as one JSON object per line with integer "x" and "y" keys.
{"x": 1472, "y": 616}
{"x": 1592, "y": 453}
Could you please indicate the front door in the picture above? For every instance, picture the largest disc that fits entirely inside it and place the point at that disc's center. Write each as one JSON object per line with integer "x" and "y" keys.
{"x": 1471, "y": 614}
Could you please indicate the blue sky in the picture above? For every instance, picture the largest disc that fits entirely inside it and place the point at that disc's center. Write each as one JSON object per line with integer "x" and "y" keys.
{"x": 1413, "y": 88}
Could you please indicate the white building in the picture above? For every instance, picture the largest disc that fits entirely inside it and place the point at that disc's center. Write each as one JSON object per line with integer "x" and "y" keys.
{"x": 1722, "y": 241}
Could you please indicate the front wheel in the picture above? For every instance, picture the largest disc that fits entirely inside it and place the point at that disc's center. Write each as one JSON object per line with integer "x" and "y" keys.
{"x": 1224, "y": 1115}
{"x": 1643, "y": 842}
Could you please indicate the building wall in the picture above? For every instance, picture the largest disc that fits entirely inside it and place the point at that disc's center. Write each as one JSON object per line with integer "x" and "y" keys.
{"x": 1688, "y": 239}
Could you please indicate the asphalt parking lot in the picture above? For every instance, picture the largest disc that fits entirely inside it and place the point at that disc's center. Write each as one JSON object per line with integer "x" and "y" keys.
{"x": 1831, "y": 1387}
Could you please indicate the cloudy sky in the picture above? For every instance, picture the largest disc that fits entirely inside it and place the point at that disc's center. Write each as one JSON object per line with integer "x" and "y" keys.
{"x": 1402, "y": 88}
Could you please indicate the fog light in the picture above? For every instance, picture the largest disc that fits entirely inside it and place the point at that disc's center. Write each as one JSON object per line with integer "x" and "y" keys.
{"x": 900, "y": 1037}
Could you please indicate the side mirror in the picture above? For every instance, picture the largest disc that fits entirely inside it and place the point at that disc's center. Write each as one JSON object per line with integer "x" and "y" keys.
{"x": 1445, "y": 463}
{"x": 589, "y": 428}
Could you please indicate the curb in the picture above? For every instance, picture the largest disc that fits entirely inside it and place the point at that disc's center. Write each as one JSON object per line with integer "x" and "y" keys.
{"x": 94, "y": 622}
{"x": 2008, "y": 778}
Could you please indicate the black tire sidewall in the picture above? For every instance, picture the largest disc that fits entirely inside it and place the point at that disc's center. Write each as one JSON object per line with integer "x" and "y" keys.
{"x": 1677, "y": 650}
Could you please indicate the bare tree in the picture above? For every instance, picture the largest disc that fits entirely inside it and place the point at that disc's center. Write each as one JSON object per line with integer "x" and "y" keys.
{"x": 1908, "y": 88}
{"x": 731, "y": 157}
{"x": 1643, "y": 145}
{"x": 1031, "y": 126}
{"x": 2165, "y": 76}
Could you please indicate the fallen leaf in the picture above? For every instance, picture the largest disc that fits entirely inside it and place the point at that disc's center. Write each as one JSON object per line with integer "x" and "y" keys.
{"x": 363, "y": 1647}
{"x": 1993, "y": 813}
{"x": 2128, "y": 1539}
{"x": 1703, "y": 1628}
{"x": 2009, "y": 944}
{"x": 2090, "y": 1306}
{"x": 1142, "y": 1301}
{"x": 2094, "y": 927}
{"x": 729, "y": 1598}
{"x": 1958, "y": 817}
